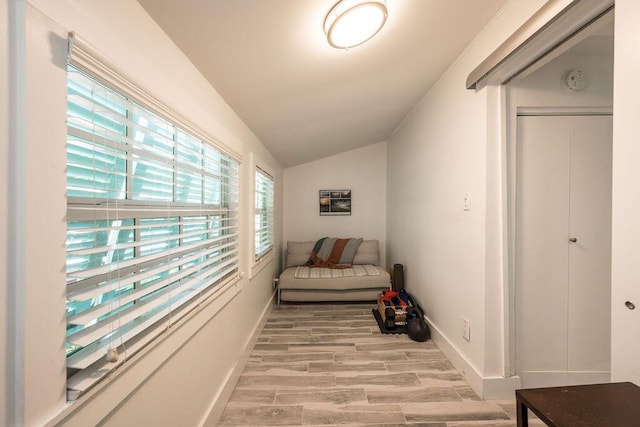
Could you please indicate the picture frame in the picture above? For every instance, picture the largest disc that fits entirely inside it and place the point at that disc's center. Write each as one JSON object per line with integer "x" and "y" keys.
{"x": 335, "y": 202}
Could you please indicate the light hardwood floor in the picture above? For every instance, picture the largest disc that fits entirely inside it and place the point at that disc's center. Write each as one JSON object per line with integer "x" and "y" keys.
{"x": 328, "y": 364}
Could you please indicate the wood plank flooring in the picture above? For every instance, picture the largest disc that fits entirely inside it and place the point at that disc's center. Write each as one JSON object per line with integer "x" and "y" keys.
{"x": 328, "y": 364}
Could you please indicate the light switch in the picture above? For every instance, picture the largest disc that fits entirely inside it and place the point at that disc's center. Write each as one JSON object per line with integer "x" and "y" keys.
{"x": 467, "y": 201}
{"x": 466, "y": 329}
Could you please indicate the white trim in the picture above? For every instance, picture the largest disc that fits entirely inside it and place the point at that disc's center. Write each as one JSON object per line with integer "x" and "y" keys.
{"x": 489, "y": 388}
{"x": 219, "y": 402}
{"x": 555, "y": 22}
{"x": 509, "y": 200}
{"x": 15, "y": 324}
{"x": 606, "y": 19}
{"x": 455, "y": 356}
{"x": 580, "y": 17}
{"x": 261, "y": 263}
{"x": 564, "y": 111}
{"x": 256, "y": 265}
{"x": 537, "y": 379}
{"x": 500, "y": 388}
{"x": 117, "y": 387}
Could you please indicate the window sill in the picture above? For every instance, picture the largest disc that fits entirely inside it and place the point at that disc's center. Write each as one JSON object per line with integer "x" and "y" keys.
{"x": 260, "y": 264}
{"x": 125, "y": 379}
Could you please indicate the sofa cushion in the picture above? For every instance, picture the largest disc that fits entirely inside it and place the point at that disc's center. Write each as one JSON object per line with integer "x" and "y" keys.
{"x": 303, "y": 272}
{"x": 367, "y": 253}
{"x": 289, "y": 281}
{"x": 298, "y": 253}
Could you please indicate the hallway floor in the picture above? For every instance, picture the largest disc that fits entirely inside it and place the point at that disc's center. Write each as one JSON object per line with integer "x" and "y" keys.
{"x": 328, "y": 364}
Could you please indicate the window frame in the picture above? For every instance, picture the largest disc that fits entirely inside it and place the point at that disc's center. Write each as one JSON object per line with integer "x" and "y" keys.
{"x": 89, "y": 62}
{"x": 259, "y": 261}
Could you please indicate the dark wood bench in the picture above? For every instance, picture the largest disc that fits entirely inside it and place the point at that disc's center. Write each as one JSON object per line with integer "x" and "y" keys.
{"x": 597, "y": 405}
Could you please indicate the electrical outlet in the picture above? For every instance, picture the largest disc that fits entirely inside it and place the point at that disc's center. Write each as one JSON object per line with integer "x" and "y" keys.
{"x": 466, "y": 329}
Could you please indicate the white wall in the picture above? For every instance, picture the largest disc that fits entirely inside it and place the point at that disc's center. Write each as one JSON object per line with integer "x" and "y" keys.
{"x": 452, "y": 143}
{"x": 363, "y": 171}
{"x": 198, "y": 358}
{"x": 544, "y": 88}
{"x": 625, "y": 335}
{"x": 453, "y": 258}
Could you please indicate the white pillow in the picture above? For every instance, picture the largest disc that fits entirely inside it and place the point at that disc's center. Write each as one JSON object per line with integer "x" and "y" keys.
{"x": 367, "y": 253}
{"x": 298, "y": 253}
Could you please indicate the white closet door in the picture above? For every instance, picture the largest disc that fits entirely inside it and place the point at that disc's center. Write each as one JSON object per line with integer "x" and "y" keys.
{"x": 542, "y": 271}
{"x": 563, "y": 287}
{"x": 589, "y": 320}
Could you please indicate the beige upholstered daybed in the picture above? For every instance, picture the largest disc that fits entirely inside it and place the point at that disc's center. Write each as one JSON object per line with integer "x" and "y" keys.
{"x": 363, "y": 282}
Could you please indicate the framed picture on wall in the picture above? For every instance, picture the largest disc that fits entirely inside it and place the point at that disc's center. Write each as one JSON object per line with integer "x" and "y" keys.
{"x": 335, "y": 202}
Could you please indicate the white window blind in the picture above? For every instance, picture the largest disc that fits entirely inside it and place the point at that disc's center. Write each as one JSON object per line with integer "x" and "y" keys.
{"x": 152, "y": 223}
{"x": 263, "y": 214}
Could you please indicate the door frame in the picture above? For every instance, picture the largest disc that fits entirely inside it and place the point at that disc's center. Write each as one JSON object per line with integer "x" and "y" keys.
{"x": 547, "y": 35}
{"x": 550, "y": 40}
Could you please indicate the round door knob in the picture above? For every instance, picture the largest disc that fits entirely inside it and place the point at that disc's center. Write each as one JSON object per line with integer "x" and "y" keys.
{"x": 630, "y": 305}
{"x": 573, "y": 240}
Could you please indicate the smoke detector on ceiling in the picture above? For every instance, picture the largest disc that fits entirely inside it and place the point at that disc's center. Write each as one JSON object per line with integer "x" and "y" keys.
{"x": 575, "y": 80}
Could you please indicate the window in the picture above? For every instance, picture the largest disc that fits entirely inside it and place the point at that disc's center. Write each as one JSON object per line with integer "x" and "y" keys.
{"x": 152, "y": 225}
{"x": 263, "y": 215}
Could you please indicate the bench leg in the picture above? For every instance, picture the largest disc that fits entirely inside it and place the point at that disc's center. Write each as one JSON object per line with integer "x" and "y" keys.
{"x": 522, "y": 416}
{"x": 278, "y": 298}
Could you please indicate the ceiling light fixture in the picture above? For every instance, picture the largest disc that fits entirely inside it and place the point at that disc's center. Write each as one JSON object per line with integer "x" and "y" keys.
{"x": 352, "y": 22}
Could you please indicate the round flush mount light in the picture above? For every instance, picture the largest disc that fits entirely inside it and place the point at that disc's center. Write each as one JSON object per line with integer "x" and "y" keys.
{"x": 352, "y": 22}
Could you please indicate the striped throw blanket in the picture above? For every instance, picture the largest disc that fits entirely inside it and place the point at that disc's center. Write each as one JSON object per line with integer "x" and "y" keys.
{"x": 330, "y": 252}
{"x": 303, "y": 272}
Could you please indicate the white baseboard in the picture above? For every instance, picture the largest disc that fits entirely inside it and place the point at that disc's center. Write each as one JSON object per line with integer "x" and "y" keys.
{"x": 220, "y": 401}
{"x": 554, "y": 378}
{"x": 500, "y": 388}
{"x": 488, "y": 388}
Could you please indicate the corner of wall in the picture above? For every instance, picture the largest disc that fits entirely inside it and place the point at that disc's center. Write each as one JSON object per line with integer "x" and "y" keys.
{"x": 487, "y": 387}
{"x": 363, "y": 171}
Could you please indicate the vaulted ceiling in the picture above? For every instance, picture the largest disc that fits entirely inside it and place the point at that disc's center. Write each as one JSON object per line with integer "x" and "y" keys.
{"x": 305, "y": 100}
